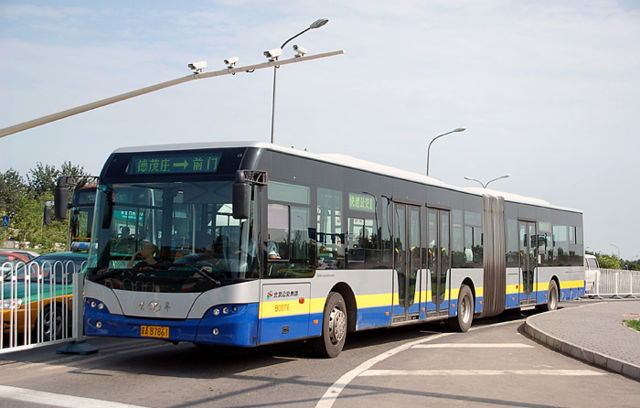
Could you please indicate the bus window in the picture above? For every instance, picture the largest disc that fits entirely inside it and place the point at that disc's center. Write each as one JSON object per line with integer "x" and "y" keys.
{"x": 288, "y": 232}
{"x": 473, "y": 238}
{"x": 330, "y": 236}
{"x": 363, "y": 236}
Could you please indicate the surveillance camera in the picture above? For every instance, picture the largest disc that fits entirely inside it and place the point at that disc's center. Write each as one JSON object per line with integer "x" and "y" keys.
{"x": 273, "y": 54}
{"x": 198, "y": 66}
{"x": 300, "y": 50}
{"x": 231, "y": 62}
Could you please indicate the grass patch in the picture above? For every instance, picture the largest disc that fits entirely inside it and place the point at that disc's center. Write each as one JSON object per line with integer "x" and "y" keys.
{"x": 634, "y": 324}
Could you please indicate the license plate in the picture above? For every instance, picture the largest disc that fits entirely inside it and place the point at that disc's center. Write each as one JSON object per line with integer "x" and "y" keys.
{"x": 154, "y": 331}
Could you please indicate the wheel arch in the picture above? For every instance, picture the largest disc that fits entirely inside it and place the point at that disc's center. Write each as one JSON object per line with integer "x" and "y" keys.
{"x": 350, "y": 300}
{"x": 555, "y": 279}
{"x": 469, "y": 282}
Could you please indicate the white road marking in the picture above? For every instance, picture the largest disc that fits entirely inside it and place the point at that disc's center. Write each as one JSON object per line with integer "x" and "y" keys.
{"x": 576, "y": 373}
{"x": 474, "y": 345}
{"x": 332, "y": 394}
{"x": 334, "y": 391}
{"x": 57, "y": 400}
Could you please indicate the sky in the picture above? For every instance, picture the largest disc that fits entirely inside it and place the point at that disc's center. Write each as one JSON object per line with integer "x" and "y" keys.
{"x": 548, "y": 91}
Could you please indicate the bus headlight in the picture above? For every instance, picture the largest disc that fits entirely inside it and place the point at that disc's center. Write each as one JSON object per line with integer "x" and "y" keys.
{"x": 11, "y": 304}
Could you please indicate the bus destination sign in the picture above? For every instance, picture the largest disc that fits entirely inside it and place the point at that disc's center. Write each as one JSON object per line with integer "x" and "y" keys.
{"x": 173, "y": 164}
{"x": 361, "y": 202}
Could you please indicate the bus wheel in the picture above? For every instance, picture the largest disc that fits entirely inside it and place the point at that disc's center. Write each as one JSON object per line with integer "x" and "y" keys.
{"x": 552, "y": 299}
{"x": 462, "y": 322}
{"x": 334, "y": 327}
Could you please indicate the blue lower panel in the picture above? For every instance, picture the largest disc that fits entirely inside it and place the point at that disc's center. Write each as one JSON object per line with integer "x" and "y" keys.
{"x": 373, "y": 317}
{"x": 315, "y": 324}
{"x": 284, "y": 328}
{"x": 238, "y": 327}
{"x": 571, "y": 293}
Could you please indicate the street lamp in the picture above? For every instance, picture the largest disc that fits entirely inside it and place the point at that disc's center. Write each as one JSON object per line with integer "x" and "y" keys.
{"x": 316, "y": 24}
{"x": 618, "y": 248}
{"x": 484, "y": 185}
{"x": 437, "y": 137}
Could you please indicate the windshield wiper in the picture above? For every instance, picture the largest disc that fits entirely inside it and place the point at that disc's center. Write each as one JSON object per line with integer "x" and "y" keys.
{"x": 108, "y": 274}
{"x": 202, "y": 272}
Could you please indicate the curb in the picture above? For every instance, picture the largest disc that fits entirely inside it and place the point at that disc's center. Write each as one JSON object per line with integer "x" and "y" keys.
{"x": 592, "y": 357}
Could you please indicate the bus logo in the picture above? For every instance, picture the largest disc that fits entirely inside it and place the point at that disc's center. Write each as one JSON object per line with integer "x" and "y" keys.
{"x": 281, "y": 294}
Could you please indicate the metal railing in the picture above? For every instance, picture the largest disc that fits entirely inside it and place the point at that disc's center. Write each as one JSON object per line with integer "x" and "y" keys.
{"x": 36, "y": 303}
{"x": 613, "y": 283}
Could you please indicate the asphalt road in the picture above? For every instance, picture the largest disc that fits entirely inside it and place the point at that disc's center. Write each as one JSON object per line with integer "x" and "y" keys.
{"x": 492, "y": 365}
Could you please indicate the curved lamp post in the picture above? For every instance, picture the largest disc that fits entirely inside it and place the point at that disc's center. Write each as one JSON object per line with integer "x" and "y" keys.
{"x": 316, "y": 24}
{"x": 437, "y": 137}
{"x": 484, "y": 185}
{"x": 618, "y": 248}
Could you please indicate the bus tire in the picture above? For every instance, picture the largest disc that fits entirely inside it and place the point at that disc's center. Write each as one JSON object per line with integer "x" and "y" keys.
{"x": 552, "y": 298}
{"x": 334, "y": 327}
{"x": 466, "y": 308}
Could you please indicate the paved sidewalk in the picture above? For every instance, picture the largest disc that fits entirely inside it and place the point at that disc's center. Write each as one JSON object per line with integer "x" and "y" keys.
{"x": 593, "y": 333}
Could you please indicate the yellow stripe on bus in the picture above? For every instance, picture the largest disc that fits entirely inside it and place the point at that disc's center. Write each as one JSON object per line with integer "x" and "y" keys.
{"x": 364, "y": 301}
{"x": 572, "y": 284}
{"x": 294, "y": 307}
{"x": 283, "y": 308}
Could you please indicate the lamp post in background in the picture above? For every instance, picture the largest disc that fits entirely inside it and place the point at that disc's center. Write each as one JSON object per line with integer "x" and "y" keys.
{"x": 437, "y": 137}
{"x": 316, "y": 24}
{"x": 618, "y": 248}
{"x": 484, "y": 185}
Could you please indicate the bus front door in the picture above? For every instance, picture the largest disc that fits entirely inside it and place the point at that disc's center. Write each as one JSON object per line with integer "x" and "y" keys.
{"x": 406, "y": 262}
{"x": 439, "y": 259}
{"x": 528, "y": 262}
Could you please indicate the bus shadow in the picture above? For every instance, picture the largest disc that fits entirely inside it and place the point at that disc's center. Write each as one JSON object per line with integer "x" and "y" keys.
{"x": 190, "y": 361}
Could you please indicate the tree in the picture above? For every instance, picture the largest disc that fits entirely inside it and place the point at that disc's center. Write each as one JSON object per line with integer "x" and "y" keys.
{"x": 42, "y": 179}
{"x": 80, "y": 177}
{"x": 12, "y": 187}
{"x": 609, "y": 261}
{"x": 27, "y": 201}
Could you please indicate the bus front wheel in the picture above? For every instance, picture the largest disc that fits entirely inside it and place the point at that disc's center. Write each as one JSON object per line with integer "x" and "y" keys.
{"x": 334, "y": 327}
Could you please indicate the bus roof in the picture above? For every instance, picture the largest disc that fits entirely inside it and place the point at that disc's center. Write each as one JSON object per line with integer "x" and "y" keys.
{"x": 348, "y": 161}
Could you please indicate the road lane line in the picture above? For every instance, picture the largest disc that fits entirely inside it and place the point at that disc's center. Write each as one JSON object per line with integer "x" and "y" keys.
{"x": 333, "y": 392}
{"x": 473, "y": 345}
{"x": 57, "y": 400}
{"x": 431, "y": 373}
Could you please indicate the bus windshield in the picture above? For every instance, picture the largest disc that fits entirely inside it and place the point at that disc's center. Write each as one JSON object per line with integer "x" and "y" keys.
{"x": 170, "y": 237}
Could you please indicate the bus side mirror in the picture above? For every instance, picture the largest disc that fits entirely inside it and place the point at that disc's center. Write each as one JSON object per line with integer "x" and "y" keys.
{"x": 241, "y": 197}
{"x": 61, "y": 198}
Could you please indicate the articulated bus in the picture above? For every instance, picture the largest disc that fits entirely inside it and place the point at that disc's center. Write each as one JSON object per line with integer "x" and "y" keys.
{"x": 251, "y": 244}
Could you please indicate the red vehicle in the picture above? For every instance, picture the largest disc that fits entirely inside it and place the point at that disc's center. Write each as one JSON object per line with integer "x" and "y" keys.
{"x": 29, "y": 254}
{"x": 9, "y": 259}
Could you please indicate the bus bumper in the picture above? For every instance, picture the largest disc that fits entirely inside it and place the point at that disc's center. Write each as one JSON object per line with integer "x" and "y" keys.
{"x": 234, "y": 324}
